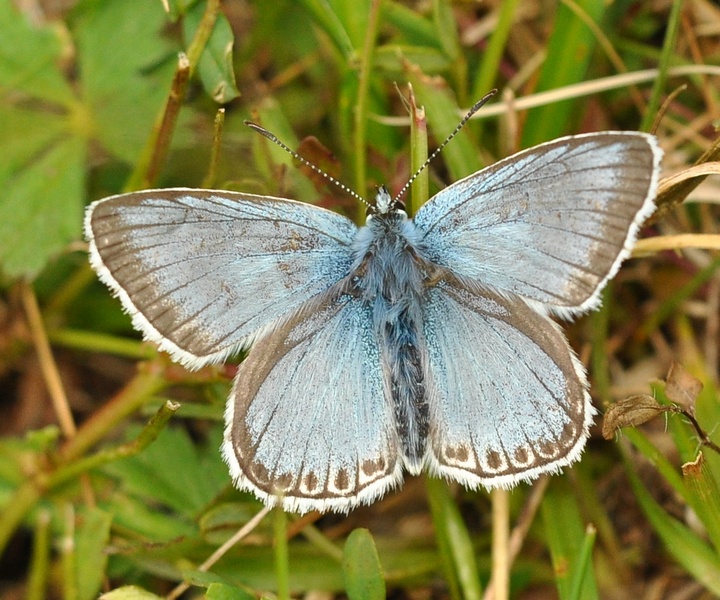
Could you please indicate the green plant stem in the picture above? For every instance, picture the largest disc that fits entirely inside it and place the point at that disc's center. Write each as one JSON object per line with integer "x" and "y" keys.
{"x": 157, "y": 146}
{"x": 318, "y": 539}
{"x": 24, "y": 498}
{"x": 146, "y": 437}
{"x": 130, "y": 399}
{"x": 420, "y": 188}
{"x": 665, "y": 59}
{"x": 50, "y": 371}
{"x": 90, "y": 341}
{"x": 360, "y": 116}
{"x": 68, "y": 557}
{"x": 202, "y": 35}
{"x": 584, "y": 563}
{"x": 211, "y": 176}
{"x": 282, "y": 561}
{"x": 500, "y": 536}
{"x": 30, "y": 492}
{"x": 40, "y": 563}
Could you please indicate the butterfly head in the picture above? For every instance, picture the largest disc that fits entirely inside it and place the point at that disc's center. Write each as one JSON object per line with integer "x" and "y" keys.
{"x": 385, "y": 203}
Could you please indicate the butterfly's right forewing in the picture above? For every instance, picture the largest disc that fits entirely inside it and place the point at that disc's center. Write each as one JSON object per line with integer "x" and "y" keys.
{"x": 552, "y": 223}
{"x": 203, "y": 272}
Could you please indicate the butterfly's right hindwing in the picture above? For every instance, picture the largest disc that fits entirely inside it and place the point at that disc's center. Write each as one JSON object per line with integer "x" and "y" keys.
{"x": 204, "y": 272}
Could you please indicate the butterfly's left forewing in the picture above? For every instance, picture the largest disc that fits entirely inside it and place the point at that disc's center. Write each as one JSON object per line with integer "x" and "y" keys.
{"x": 309, "y": 423}
{"x": 508, "y": 398}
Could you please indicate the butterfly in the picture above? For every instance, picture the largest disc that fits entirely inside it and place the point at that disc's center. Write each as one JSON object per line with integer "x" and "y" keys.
{"x": 405, "y": 345}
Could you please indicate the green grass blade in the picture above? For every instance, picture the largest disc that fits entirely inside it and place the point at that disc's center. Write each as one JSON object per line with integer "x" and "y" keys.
{"x": 493, "y": 54}
{"x": 567, "y": 540}
{"x": 704, "y": 495}
{"x": 455, "y": 543}
{"x": 665, "y": 59}
{"x": 568, "y": 55}
{"x": 690, "y": 551}
{"x": 361, "y": 567}
{"x": 461, "y": 155}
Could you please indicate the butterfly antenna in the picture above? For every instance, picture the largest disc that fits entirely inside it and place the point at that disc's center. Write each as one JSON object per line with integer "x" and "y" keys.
{"x": 476, "y": 107}
{"x": 273, "y": 138}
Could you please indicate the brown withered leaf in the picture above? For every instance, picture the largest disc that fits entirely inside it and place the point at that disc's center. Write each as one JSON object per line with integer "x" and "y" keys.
{"x": 682, "y": 388}
{"x": 631, "y": 411}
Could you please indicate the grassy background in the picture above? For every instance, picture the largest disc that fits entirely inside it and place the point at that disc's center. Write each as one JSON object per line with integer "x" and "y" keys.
{"x": 100, "y": 490}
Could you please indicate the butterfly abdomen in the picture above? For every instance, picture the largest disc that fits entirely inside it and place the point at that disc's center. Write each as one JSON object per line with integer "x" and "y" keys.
{"x": 390, "y": 280}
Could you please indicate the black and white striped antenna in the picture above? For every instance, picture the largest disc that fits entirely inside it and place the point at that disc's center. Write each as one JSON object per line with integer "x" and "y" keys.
{"x": 273, "y": 138}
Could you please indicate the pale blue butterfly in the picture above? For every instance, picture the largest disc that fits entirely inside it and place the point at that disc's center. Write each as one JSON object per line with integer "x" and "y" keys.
{"x": 421, "y": 344}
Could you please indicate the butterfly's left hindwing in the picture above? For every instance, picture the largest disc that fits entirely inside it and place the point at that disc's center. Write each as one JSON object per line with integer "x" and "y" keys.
{"x": 203, "y": 272}
{"x": 508, "y": 398}
{"x": 309, "y": 422}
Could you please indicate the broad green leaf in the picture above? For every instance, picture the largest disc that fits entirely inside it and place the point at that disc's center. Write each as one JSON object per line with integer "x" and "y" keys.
{"x": 126, "y": 67}
{"x": 361, "y": 567}
{"x": 25, "y": 134}
{"x": 216, "y": 63}
{"x": 41, "y": 208}
{"x": 42, "y": 168}
{"x": 177, "y": 8}
{"x": 29, "y": 58}
{"x": 220, "y": 591}
{"x": 174, "y": 471}
{"x": 129, "y": 592}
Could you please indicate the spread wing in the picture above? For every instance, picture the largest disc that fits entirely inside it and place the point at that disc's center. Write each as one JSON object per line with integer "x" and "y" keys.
{"x": 552, "y": 223}
{"x": 507, "y": 396}
{"x": 309, "y": 423}
{"x": 203, "y": 272}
